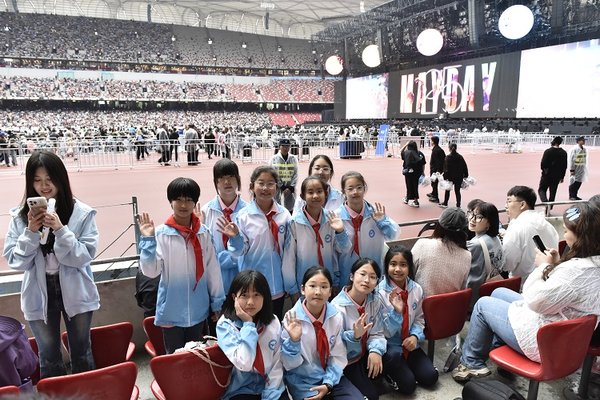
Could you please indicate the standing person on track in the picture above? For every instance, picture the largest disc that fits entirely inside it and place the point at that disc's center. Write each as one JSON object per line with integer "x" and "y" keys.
{"x": 554, "y": 167}
{"x": 455, "y": 170}
{"x": 436, "y": 164}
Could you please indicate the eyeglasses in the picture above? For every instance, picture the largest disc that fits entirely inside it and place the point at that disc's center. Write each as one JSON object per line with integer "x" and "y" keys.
{"x": 357, "y": 189}
{"x": 321, "y": 169}
{"x": 477, "y": 217}
{"x": 572, "y": 213}
{"x": 508, "y": 201}
{"x": 266, "y": 185}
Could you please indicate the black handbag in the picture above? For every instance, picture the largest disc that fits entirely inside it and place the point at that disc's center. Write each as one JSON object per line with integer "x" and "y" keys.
{"x": 489, "y": 389}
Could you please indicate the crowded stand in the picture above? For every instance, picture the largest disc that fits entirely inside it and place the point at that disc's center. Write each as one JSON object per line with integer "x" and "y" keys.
{"x": 82, "y": 38}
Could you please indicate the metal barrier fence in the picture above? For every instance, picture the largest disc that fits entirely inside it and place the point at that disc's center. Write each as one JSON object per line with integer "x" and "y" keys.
{"x": 102, "y": 152}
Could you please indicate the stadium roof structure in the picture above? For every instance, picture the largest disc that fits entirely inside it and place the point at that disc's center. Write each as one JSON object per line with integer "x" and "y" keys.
{"x": 284, "y": 18}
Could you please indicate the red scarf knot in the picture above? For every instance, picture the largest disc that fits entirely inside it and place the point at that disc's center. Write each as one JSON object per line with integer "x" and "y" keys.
{"x": 356, "y": 223}
{"x": 274, "y": 229}
{"x": 190, "y": 234}
{"x": 259, "y": 363}
{"x": 322, "y": 343}
{"x": 404, "y": 297}
{"x": 227, "y": 213}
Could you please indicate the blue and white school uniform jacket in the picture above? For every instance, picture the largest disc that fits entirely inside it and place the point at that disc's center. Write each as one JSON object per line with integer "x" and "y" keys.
{"x": 301, "y": 360}
{"x": 238, "y": 341}
{"x": 168, "y": 255}
{"x": 75, "y": 246}
{"x": 255, "y": 244}
{"x": 335, "y": 198}
{"x": 211, "y": 212}
{"x": 392, "y": 321}
{"x": 301, "y": 250}
{"x": 372, "y": 238}
{"x": 374, "y": 308}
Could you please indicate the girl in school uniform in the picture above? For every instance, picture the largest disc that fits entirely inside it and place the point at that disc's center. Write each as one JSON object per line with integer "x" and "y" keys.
{"x": 312, "y": 352}
{"x": 314, "y": 237}
{"x": 249, "y": 335}
{"x": 257, "y": 233}
{"x": 361, "y": 308}
{"x": 404, "y": 323}
{"x": 322, "y": 167}
{"x": 368, "y": 226}
{"x": 226, "y": 204}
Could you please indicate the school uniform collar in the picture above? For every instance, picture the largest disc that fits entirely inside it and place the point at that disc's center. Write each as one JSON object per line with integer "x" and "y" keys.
{"x": 302, "y": 315}
{"x": 253, "y": 208}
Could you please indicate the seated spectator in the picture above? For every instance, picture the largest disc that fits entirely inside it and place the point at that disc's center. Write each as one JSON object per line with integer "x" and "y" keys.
{"x": 518, "y": 245}
{"x": 442, "y": 262}
{"x": 487, "y": 255}
{"x": 17, "y": 360}
{"x": 559, "y": 288}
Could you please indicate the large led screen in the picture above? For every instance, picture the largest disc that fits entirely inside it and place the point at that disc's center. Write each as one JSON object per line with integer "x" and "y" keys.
{"x": 560, "y": 81}
{"x": 482, "y": 87}
{"x": 367, "y": 97}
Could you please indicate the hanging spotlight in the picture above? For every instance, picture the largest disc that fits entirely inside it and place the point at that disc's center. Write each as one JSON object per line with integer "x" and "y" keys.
{"x": 334, "y": 65}
{"x": 515, "y": 22}
{"x": 370, "y": 56}
{"x": 210, "y": 41}
{"x": 244, "y": 45}
{"x": 430, "y": 42}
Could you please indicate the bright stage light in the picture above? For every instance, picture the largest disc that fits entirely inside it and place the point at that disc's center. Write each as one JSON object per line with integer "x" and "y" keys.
{"x": 334, "y": 65}
{"x": 430, "y": 42}
{"x": 370, "y": 56}
{"x": 515, "y": 22}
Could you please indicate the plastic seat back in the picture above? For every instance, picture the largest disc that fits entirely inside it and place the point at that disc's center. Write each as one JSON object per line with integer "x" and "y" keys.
{"x": 445, "y": 313}
{"x": 155, "y": 346}
{"x": 184, "y": 376}
{"x": 563, "y": 346}
{"x": 116, "y": 382}
{"x": 9, "y": 391}
{"x": 111, "y": 344}
{"x": 513, "y": 284}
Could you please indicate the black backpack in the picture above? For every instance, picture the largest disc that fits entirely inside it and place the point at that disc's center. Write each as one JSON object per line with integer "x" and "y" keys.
{"x": 489, "y": 389}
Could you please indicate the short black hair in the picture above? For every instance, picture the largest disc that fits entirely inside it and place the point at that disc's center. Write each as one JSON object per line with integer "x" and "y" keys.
{"x": 435, "y": 140}
{"x": 524, "y": 193}
{"x": 408, "y": 256}
{"x": 226, "y": 167}
{"x": 305, "y": 183}
{"x": 183, "y": 187}
{"x": 242, "y": 282}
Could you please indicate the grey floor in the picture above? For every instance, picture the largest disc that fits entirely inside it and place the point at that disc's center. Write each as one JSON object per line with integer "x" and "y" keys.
{"x": 446, "y": 388}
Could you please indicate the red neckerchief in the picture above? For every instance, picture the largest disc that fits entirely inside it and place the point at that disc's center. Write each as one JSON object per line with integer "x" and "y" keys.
{"x": 227, "y": 213}
{"x": 259, "y": 363}
{"x": 191, "y": 235}
{"x": 322, "y": 343}
{"x": 364, "y": 337}
{"x": 316, "y": 227}
{"x": 404, "y": 297}
{"x": 356, "y": 223}
{"x": 274, "y": 229}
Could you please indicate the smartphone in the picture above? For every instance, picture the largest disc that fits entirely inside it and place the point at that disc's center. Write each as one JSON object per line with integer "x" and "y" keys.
{"x": 37, "y": 202}
{"x": 538, "y": 242}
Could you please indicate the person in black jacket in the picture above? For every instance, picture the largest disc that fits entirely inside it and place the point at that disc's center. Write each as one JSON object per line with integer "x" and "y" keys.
{"x": 412, "y": 169}
{"x": 436, "y": 164}
{"x": 455, "y": 170}
{"x": 554, "y": 168}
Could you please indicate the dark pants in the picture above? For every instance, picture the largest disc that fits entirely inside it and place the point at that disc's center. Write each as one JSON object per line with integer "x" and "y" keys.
{"x": 574, "y": 189}
{"x": 284, "y": 396}
{"x": 47, "y": 335}
{"x": 412, "y": 186}
{"x": 417, "y": 368}
{"x": 173, "y": 150}
{"x": 345, "y": 390}
{"x": 139, "y": 151}
{"x": 434, "y": 189}
{"x": 545, "y": 184}
{"x": 457, "y": 185}
{"x": 192, "y": 155}
{"x": 176, "y": 337}
{"x": 358, "y": 374}
{"x": 278, "y": 307}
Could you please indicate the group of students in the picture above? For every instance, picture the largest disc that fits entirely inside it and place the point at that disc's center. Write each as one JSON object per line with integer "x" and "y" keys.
{"x": 357, "y": 312}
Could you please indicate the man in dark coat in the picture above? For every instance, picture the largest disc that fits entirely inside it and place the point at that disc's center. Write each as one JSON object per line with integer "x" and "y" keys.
{"x": 554, "y": 168}
{"x": 455, "y": 170}
{"x": 436, "y": 164}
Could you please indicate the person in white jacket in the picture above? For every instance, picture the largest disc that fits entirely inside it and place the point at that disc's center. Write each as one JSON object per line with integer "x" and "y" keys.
{"x": 525, "y": 222}
{"x": 313, "y": 353}
{"x": 250, "y": 336}
{"x": 559, "y": 288}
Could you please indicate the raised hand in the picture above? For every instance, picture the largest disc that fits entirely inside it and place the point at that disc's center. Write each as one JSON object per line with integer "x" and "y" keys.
{"x": 226, "y": 227}
{"x": 396, "y": 302}
{"x": 35, "y": 219}
{"x": 145, "y": 224}
{"x": 198, "y": 212}
{"x": 293, "y": 326}
{"x": 52, "y": 220}
{"x": 379, "y": 213}
{"x": 360, "y": 328}
{"x": 335, "y": 222}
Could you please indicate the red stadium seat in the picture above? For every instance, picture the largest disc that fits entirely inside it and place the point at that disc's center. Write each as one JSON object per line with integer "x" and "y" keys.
{"x": 513, "y": 284}
{"x": 155, "y": 346}
{"x": 9, "y": 391}
{"x": 562, "y": 345}
{"x": 445, "y": 315}
{"x": 111, "y": 344}
{"x": 116, "y": 382}
{"x": 184, "y": 376}
{"x": 586, "y": 369}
